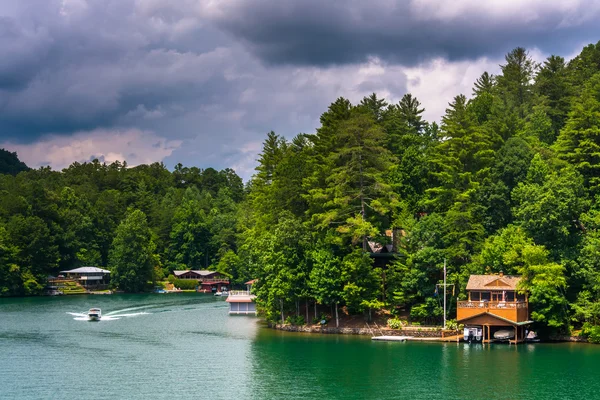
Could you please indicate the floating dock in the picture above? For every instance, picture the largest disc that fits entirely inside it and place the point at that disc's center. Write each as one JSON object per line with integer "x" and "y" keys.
{"x": 392, "y": 338}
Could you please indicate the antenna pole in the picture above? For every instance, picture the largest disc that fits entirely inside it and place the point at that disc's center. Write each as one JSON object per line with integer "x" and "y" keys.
{"x": 444, "y": 293}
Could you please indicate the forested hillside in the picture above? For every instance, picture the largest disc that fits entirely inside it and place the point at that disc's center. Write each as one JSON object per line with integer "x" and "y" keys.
{"x": 507, "y": 182}
{"x": 101, "y": 215}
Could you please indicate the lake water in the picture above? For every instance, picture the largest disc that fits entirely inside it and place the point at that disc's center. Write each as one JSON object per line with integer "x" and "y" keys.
{"x": 185, "y": 346}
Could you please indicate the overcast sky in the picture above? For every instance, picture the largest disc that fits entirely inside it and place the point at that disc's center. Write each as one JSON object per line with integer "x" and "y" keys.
{"x": 201, "y": 82}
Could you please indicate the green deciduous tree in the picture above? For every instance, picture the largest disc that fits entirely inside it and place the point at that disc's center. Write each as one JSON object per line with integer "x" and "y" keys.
{"x": 132, "y": 258}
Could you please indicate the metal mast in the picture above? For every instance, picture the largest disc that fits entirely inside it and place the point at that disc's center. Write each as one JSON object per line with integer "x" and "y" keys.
{"x": 444, "y": 293}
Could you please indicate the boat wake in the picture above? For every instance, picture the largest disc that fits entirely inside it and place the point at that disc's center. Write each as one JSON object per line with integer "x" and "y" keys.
{"x": 106, "y": 317}
{"x": 116, "y": 312}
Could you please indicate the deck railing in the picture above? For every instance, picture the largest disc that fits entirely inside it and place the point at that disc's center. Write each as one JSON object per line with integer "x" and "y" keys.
{"x": 495, "y": 305}
{"x": 205, "y": 280}
{"x": 239, "y": 293}
{"x": 214, "y": 280}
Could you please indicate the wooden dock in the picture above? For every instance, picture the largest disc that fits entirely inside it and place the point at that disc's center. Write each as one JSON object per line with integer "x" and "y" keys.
{"x": 392, "y": 338}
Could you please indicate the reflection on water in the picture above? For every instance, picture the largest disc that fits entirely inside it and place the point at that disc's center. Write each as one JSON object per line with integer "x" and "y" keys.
{"x": 187, "y": 346}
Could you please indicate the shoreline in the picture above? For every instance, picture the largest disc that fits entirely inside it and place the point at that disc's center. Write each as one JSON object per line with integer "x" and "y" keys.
{"x": 411, "y": 334}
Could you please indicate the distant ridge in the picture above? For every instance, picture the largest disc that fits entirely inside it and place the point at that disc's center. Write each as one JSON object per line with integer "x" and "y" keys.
{"x": 10, "y": 163}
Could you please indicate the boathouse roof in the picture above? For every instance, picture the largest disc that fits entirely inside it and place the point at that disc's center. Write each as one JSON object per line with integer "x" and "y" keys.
{"x": 195, "y": 271}
{"x": 86, "y": 270}
{"x": 493, "y": 282}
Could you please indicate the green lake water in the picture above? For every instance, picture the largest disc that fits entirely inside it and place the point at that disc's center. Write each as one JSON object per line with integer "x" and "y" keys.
{"x": 186, "y": 346}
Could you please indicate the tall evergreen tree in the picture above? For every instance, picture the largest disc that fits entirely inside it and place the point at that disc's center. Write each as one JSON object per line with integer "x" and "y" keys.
{"x": 579, "y": 141}
{"x": 551, "y": 83}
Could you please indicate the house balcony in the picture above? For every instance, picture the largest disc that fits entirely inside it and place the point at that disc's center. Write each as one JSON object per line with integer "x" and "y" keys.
{"x": 516, "y": 311}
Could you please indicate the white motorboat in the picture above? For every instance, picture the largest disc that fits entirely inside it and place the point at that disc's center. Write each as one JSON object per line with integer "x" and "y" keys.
{"x": 473, "y": 334}
{"x": 94, "y": 314}
{"x": 218, "y": 293}
{"x": 504, "y": 334}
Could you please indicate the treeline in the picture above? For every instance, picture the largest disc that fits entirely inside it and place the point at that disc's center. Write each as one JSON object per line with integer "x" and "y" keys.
{"x": 507, "y": 182}
{"x": 140, "y": 222}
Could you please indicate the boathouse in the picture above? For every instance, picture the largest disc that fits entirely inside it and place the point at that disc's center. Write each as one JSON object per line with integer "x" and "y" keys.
{"x": 88, "y": 277}
{"x": 242, "y": 301}
{"x": 208, "y": 281}
{"x": 495, "y": 307}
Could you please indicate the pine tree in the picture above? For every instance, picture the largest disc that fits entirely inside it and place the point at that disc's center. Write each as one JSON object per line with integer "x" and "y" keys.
{"x": 551, "y": 83}
{"x": 355, "y": 188}
{"x": 579, "y": 141}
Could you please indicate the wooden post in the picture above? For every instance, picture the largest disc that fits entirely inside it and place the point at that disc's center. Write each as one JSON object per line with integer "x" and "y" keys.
{"x": 306, "y": 312}
{"x": 337, "y": 321}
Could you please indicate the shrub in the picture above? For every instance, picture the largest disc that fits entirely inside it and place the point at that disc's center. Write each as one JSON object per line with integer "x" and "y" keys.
{"x": 395, "y": 323}
{"x": 171, "y": 278}
{"x": 295, "y": 320}
{"x": 451, "y": 324}
{"x": 185, "y": 284}
{"x": 591, "y": 332}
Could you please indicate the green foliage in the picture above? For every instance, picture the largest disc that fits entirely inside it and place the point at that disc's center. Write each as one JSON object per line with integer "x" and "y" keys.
{"x": 546, "y": 284}
{"x": 10, "y": 163}
{"x": 295, "y": 320}
{"x": 579, "y": 141}
{"x": 452, "y": 324}
{"x": 548, "y": 202}
{"x": 185, "y": 284}
{"x": 591, "y": 332}
{"x": 132, "y": 257}
{"x": 395, "y": 323}
{"x": 427, "y": 312}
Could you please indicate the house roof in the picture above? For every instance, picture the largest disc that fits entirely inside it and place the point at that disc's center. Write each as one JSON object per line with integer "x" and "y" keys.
{"x": 252, "y": 282}
{"x": 85, "y": 270}
{"x": 204, "y": 272}
{"x": 240, "y": 299}
{"x": 379, "y": 248}
{"x": 195, "y": 271}
{"x": 493, "y": 282}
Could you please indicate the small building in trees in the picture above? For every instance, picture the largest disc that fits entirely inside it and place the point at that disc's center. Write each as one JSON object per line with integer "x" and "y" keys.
{"x": 383, "y": 254}
{"x": 208, "y": 281}
{"x": 495, "y": 309}
{"x": 89, "y": 277}
{"x": 242, "y": 301}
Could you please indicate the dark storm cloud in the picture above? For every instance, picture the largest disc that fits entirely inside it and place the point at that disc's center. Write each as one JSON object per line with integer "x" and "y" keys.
{"x": 201, "y": 81}
{"x": 315, "y": 32}
{"x": 79, "y": 65}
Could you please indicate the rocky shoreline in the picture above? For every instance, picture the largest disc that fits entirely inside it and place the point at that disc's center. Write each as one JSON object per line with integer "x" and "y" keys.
{"x": 418, "y": 333}
{"x": 424, "y": 332}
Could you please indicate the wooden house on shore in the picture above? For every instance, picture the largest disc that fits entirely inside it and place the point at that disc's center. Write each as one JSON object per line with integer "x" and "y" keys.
{"x": 89, "y": 277}
{"x": 495, "y": 308}
{"x": 208, "y": 281}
